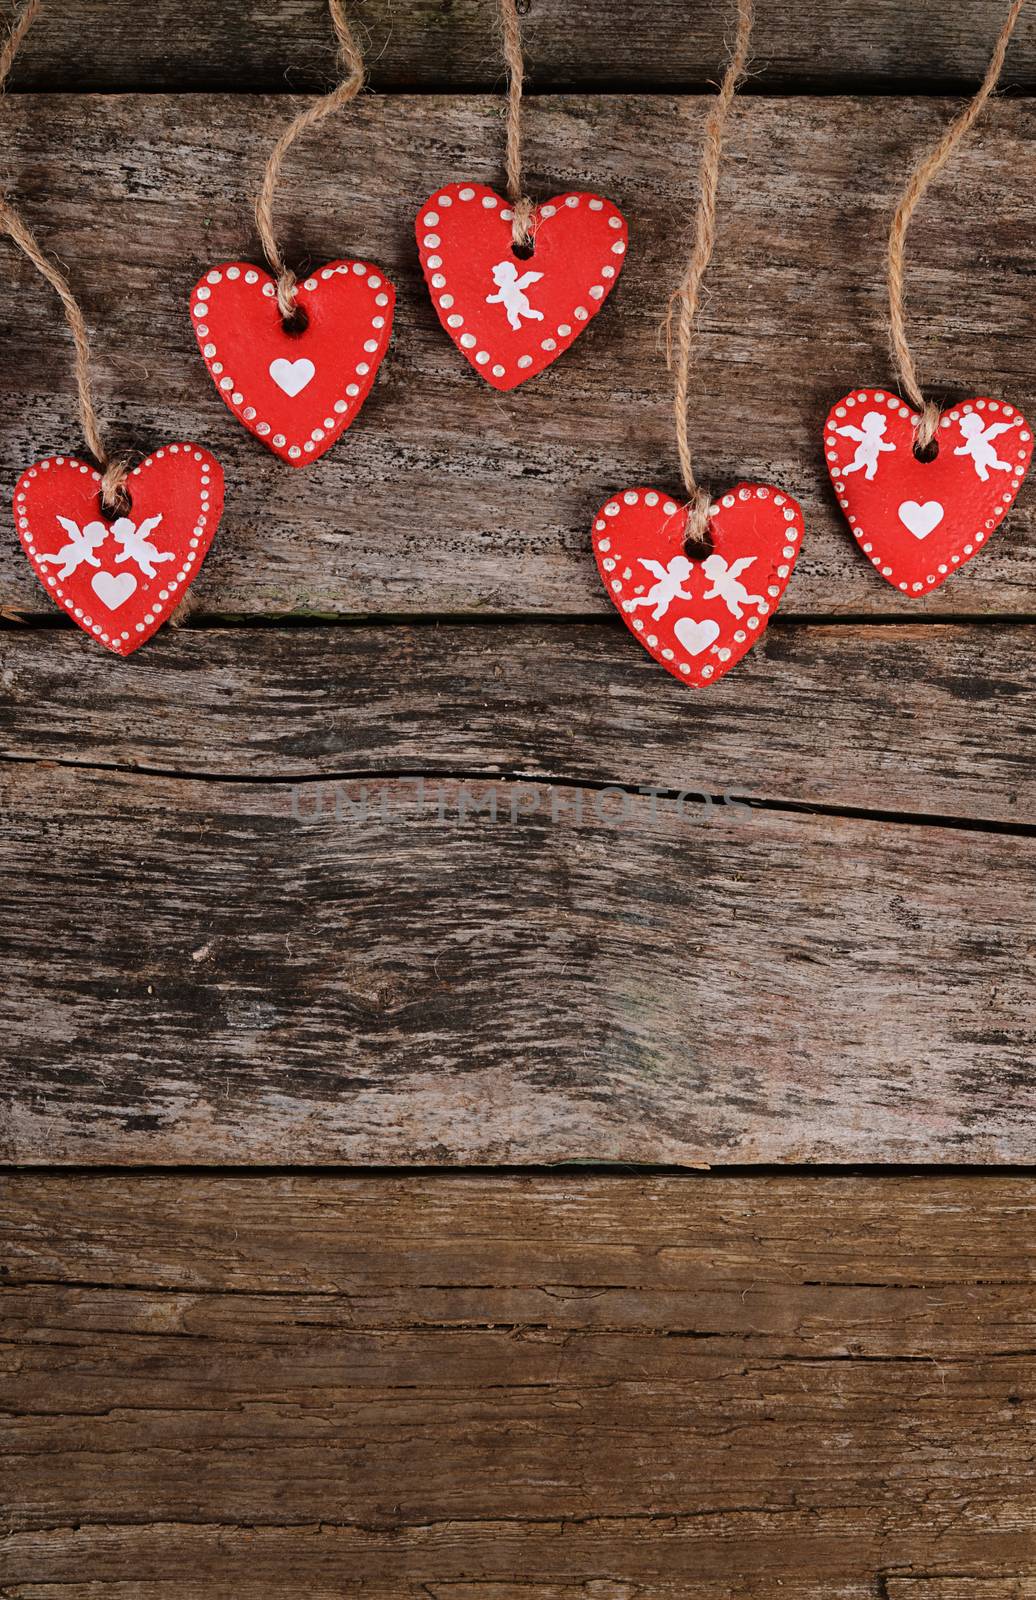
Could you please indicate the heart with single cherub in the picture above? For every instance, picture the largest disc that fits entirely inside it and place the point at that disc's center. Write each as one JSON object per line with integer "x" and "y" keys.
{"x": 511, "y": 312}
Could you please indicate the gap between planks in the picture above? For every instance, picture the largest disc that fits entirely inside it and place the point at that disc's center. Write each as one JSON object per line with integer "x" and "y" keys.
{"x": 859, "y": 721}
{"x": 553, "y": 780}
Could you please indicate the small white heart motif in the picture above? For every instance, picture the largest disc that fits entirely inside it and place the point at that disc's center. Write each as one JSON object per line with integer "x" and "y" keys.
{"x": 292, "y": 376}
{"x": 920, "y": 520}
{"x": 113, "y": 590}
{"x": 696, "y": 636}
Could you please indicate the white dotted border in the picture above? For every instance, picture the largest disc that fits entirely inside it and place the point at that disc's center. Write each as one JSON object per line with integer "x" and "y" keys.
{"x": 776, "y": 581}
{"x": 969, "y": 543}
{"x": 566, "y": 332}
{"x": 168, "y": 599}
{"x": 346, "y": 407}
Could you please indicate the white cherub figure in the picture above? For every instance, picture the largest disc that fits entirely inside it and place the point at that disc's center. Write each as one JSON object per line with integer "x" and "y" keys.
{"x": 662, "y": 594}
{"x": 83, "y": 543}
{"x": 978, "y": 443}
{"x": 511, "y": 293}
{"x": 137, "y": 547}
{"x": 870, "y": 444}
{"x": 726, "y": 585}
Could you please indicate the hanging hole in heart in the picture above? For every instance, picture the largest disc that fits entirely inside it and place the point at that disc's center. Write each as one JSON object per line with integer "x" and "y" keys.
{"x": 121, "y": 506}
{"x": 297, "y": 323}
{"x": 698, "y": 549}
{"x": 926, "y": 452}
{"x": 523, "y": 252}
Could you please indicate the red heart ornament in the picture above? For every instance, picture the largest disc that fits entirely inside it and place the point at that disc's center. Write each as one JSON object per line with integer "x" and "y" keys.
{"x": 295, "y": 391}
{"x": 508, "y": 316}
{"x": 698, "y": 617}
{"x": 917, "y": 521}
{"x": 119, "y": 578}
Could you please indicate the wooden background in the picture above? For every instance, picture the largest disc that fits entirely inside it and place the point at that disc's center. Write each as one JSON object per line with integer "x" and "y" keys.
{"x": 256, "y": 912}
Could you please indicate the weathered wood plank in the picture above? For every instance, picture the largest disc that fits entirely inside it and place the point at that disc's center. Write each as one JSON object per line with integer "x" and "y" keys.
{"x": 411, "y": 981}
{"x": 256, "y": 1563}
{"x": 247, "y": 1587}
{"x": 567, "y": 1386}
{"x": 446, "y": 498}
{"x": 957, "y": 1588}
{"x": 932, "y": 719}
{"x": 115, "y": 44}
{"x": 834, "y": 1261}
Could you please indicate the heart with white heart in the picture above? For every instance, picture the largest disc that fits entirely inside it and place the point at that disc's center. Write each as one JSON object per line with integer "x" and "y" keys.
{"x": 296, "y": 386}
{"x": 917, "y": 515}
{"x": 921, "y": 519}
{"x": 697, "y": 615}
{"x": 119, "y": 573}
{"x": 113, "y": 591}
{"x": 292, "y": 376}
{"x": 513, "y": 312}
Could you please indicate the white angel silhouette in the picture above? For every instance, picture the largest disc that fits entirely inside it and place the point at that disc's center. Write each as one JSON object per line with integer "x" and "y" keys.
{"x": 82, "y": 544}
{"x": 662, "y": 594}
{"x": 511, "y": 293}
{"x": 870, "y": 444}
{"x": 137, "y": 547}
{"x": 978, "y": 443}
{"x": 726, "y": 585}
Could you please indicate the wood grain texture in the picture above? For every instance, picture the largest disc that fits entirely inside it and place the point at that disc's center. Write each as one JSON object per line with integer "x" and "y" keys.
{"x": 926, "y": 719}
{"x": 958, "y": 1588}
{"x": 192, "y": 44}
{"x": 446, "y": 498}
{"x": 318, "y": 1587}
{"x": 403, "y": 1588}
{"x": 261, "y": 971}
{"x": 565, "y": 1386}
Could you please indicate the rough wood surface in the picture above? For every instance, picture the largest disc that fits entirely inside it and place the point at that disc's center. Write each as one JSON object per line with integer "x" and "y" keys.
{"x": 958, "y": 1588}
{"x": 196, "y": 974}
{"x": 277, "y": 1580}
{"x": 929, "y": 719}
{"x": 565, "y": 1386}
{"x": 446, "y": 498}
{"x": 193, "y": 44}
{"x": 531, "y": 1388}
{"x": 318, "y": 1587}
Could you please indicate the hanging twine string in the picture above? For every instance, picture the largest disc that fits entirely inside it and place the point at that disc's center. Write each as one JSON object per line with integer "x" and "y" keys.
{"x": 683, "y": 305}
{"x": 113, "y": 473}
{"x": 350, "y": 61}
{"x": 19, "y": 28}
{"x": 917, "y": 183}
{"x": 521, "y": 205}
